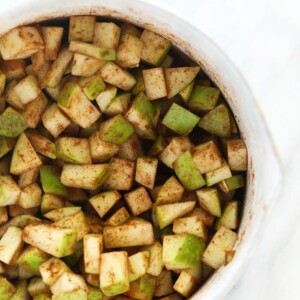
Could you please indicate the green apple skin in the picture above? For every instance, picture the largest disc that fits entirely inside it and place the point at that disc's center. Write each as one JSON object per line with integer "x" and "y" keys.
{"x": 73, "y": 259}
{"x": 94, "y": 293}
{"x": 143, "y": 288}
{"x": 12, "y": 123}
{"x": 51, "y": 183}
{"x": 21, "y": 292}
{"x": 6, "y": 289}
{"x": 6, "y": 144}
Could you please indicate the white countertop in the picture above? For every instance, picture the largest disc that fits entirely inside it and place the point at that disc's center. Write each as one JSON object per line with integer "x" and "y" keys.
{"x": 262, "y": 39}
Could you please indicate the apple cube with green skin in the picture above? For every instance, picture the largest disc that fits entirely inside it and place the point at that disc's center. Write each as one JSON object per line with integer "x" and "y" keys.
{"x": 51, "y": 182}
{"x": 54, "y": 120}
{"x": 92, "y": 86}
{"x": 6, "y": 145}
{"x": 68, "y": 282}
{"x": 105, "y": 98}
{"x": 129, "y": 51}
{"x": 9, "y": 190}
{"x": 92, "y": 50}
{"x": 85, "y": 66}
{"x": 185, "y": 284}
{"x": 20, "y": 43}
{"x": 21, "y": 291}
{"x": 118, "y": 218}
{"x": 203, "y": 98}
{"x": 41, "y": 144}
{"x": 182, "y": 251}
{"x": 132, "y": 148}
{"x": 27, "y": 89}
{"x": 51, "y": 202}
{"x": 139, "y": 87}
{"x": 145, "y": 173}
{"x": 209, "y": 200}
{"x": 185, "y": 94}
{"x": 176, "y": 147}
{"x": 180, "y": 120}
{"x": 60, "y": 213}
{"x": 155, "y": 83}
{"x": 31, "y": 196}
{"x": 187, "y": 172}
{"x": 237, "y": 155}
{"x": 37, "y": 286}
{"x": 178, "y": 78}
{"x": 72, "y": 259}
{"x": 234, "y": 182}
{"x": 119, "y": 105}
{"x": 107, "y": 35}
{"x": 72, "y": 295}
{"x": 94, "y": 293}
{"x": 166, "y": 214}
{"x": 215, "y": 253}
{"x": 57, "y": 69}
{"x": 115, "y": 75}
{"x": 76, "y": 222}
{"x": 31, "y": 258}
{"x": 52, "y": 269}
{"x": 167, "y": 62}
{"x": 11, "y": 245}
{"x": 191, "y": 225}
{"x": 143, "y": 288}
{"x": 50, "y": 238}
{"x": 115, "y": 130}
{"x": 104, "y": 201}
{"x": 138, "y": 265}
{"x": 73, "y": 150}
{"x": 141, "y": 116}
{"x": 114, "y": 277}
{"x": 92, "y": 249}
{"x": 88, "y": 177}
{"x": 229, "y": 218}
{"x": 170, "y": 192}
{"x": 155, "y": 47}
{"x": 131, "y": 233}
{"x": 101, "y": 151}
{"x": 7, "y": 289}
{"x": 77, "y": 106}
{"x": 217, "y": 121}
{"x": 207, "y": 157}
{"x": 81, "y": 28}
{"x": 12, "y": 123}
{"x": 52, "y": 36}
{"x": 155, "y": 260}
{"x": 218, "y": 175}
{"x": 24, "y": 157}
{"x": 121, "y": 174}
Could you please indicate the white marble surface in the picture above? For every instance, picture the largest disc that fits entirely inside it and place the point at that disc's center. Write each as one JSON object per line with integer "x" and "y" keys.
{"x": 262, "y": 39}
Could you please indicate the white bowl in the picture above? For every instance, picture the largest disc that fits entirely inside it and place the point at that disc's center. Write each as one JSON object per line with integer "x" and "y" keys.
{"x": 264, "y": 175}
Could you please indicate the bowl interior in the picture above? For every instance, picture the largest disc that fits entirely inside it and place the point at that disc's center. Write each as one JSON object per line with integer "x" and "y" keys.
{"x": 262, "y": 188}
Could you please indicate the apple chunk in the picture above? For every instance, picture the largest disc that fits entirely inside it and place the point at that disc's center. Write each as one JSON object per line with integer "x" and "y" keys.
{"x": 92, "y": 249}
{"x": 9, "y": 190}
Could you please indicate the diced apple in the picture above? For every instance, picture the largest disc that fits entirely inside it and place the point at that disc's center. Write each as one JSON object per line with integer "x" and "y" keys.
{"x": 9, "y": 190}
{"x": 131, "y": 29}
{"x": 155, "y": 261}
{"x": 167, "y": 62}
{"x": 217, "y": 175}
{"x": 132, "y": 148}
{"x": 60, "y": 213}
{"x": 68, "y": 282}
{"x": 170, "y": 192}
{"x": 12, "y": 123}
{"x": 106, "y": 35}
{"x": 50, "y": 202}
{"x": 6, "y": 145}
{"x": 209, "y": 200}
{"x": 229, "y": 218}
{"x": 92, "y": 249}
{"x": 143, "y": 288}
{"x": 178, "y": 78}
{"x": 57, "y": 69}
{"x": 50, "y": 238}
{"x": 81, "y": 28}
{"x": 85, "y": 176}
{"x": 145, "y": 173}
{"x": 217, "y": 121}
{"x": 38, "y": 61}
{"x": 185, "y": 284}
{"x": 34, "y": 110}
{"x": 155, "y": 84}
{"x": 3, "y": 217}
{"x": 182, "y": 251}
{"x": 138, "y": 264}
{"x": 85, "y": 66}
{"x": 237, "y": 155}
{"x": 94, "y": 293}
{"x": 20, "y": 43}
{"x": 138, "y": 201}
{"x": 52, "y": 36}
{"x": 119, "y": 105}
{"x": 118, "y": 218}
{"x": 13, "y": 69}
{"x": 77, "y": 106}
{"x": 12, "y": 97}
{"x": 215, "y": 253}
{"x": 36, "y": 286}
{"x": 7, "y": 289}
{"x": 21, "y": 291}
{"x": 105, "y": 98}
{"x": 104, "y": 201}
{"x": 94, "y": 223}
{"x": 176, "y": 147}
{"x": 55, "y": 120}
{"x": 121, "y": 174}
{"x": 11, "y": 245}
{"x": 2, "y": 82}
{"x": 31, "y": 196}
{"x": 42, "y": 296}
{"x": 73, "y": 259}
{"x": 191, "y": 225}
{"x": 139, "y": 87}
{"x": 155, "y": 47}
{"x": 158, "y": 146}
{"x": 51, "y": 182}
{"x": 115, "y": 75}
{"x": 114, "y": 278}
{"x": 185, "y": 94}
{"x": 131, "y": 233}
{"x": 92, "y": 86}
{"x": 166, "y": 214}
{"x": 129, "y": 51}
{"x": 164, "y": 284}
